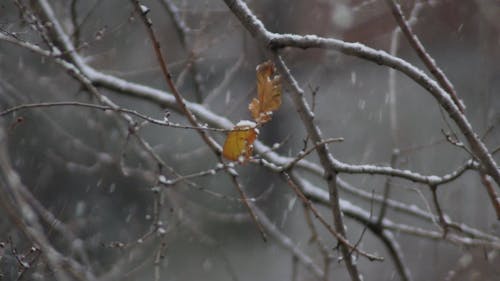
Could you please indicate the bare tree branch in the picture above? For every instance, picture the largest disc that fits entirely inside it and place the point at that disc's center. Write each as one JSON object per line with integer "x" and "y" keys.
{"x": 422, "y": 53}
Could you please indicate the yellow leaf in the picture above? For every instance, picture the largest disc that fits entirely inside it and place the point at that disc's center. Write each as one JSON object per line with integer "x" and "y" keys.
{"x": 239, "y": 142}
{"x": 268, "y": 93}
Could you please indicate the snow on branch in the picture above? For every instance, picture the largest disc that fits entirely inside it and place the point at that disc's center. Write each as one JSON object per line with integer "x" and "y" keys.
{"x": 275, "y": 41}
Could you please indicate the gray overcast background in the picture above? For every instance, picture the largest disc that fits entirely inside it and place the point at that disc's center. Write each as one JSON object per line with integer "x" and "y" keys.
{"x": 352, "y": 102}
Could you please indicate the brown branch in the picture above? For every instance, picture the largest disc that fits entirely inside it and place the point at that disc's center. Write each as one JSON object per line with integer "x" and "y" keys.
{"x": 275, "y": 41}
{"x": 163, "y": 122}
{"x": 365, "y": 227}
{"x": 325, "y": 252}
{"x": 342, "y": 240}
{"x": 495, "y": 199}
{"x": 423, "y": 54}
{"x": 182, "y": 31}
{"x": 442, "y": 220}
{"x": 25, "y": 217}
{"x": 303, "y": 154}
{"x": 387, "y": 189}
{"x": 74, "y": 23}
{"x": 187, "y": 112}
{"x": 168, "y": 77}
{"x": 326, "y": 160}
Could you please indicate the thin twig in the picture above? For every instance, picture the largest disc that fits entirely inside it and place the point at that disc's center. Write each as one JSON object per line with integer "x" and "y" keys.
{"x": 28, "y": 219}
{"x": 164, "y": 99}
{"x": 289, "y": 244}
{"x": 303, "y": 154}
{"x": 161, "y": 100}
{"x": 168, "y": 77}
{"x": 387, "y": 189}
{"x": 366, "y": 226}
{"x": 278, "y": 41}
{"x": 35, "y": 23}
{"x": 327, "y": 257}
{"x": 320, "y": 218}
{"x": 495, "y": 199}
{"x": 183, "y": 32}
{"x": 423, "y": 54}
{"x": 163, "y": 122}
{"x": 442, "y": 220}
{"x": 273, "y": 41}
{"x": 327, "y": 161}
{"x": 74, "y": 23}
{"x": 187, "y": 112}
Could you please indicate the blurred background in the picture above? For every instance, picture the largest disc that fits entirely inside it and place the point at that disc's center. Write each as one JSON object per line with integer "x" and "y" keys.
{"x": 72, "y": 158}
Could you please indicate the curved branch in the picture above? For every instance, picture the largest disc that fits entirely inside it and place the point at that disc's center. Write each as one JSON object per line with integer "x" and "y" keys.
{"x": 277, "y": 41}
{"x": 423, "y": 55}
